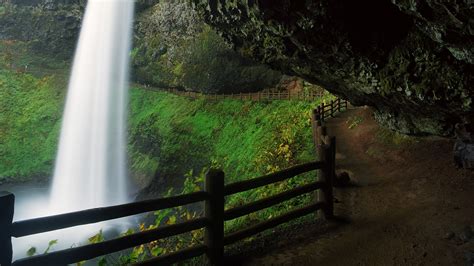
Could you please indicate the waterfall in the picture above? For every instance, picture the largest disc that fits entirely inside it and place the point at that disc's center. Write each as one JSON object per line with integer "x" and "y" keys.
{"x": 90, "y": 168}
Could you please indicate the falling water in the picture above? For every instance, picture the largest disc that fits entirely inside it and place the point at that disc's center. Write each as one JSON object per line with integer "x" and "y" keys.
{"x": 90, "y": 165}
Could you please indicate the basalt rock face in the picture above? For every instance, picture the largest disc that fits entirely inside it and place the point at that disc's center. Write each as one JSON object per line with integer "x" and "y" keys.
{"x": 50, "y": 26}
{"x": 412, "y": 60}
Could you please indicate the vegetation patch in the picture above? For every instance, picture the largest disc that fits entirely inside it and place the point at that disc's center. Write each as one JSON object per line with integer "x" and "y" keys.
{"x": 354, "y": 121}
{"x": 394, "y": 139}
{"x": 30, "y": 110}
{"x": 172, "y": 135}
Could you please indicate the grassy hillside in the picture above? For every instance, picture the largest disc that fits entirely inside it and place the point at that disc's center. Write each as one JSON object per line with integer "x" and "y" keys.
{"x": 172, "y": 135}
{"x": 169, "y": 135}
{"x": 29, "y": 115}
{"x": 32, "y": 90}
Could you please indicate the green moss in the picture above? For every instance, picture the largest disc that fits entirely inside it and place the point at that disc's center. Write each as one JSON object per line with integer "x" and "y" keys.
{"x": 29, "y": 125}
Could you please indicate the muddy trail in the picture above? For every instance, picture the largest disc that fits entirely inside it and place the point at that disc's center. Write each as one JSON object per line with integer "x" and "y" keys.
{"x": 409, "y": 204}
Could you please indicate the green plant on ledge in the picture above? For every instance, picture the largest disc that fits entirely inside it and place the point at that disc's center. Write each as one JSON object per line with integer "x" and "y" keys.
{"x": 354, "y": 121}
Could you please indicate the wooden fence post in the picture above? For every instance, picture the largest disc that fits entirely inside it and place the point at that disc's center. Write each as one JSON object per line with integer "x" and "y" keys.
{"x": 339, "y": 105}
{"x": 332, "y": 108}
{"x": 322, "y": 112}
{"x": 315, "y": 124}
{"x": 318, "y": 108}
{"x": 332, "y": 177}
{"x": 7, "y": 203}
{"x": 326, "y": 176}
{"x": 214, "y": 212}
{"x": 322, "y": 132}
{"x": 322, "y": 151}
{"x": 320, "y": 118}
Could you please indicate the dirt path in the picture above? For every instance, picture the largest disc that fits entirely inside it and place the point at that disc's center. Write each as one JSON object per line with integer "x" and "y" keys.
{"x": 409, "y": 202}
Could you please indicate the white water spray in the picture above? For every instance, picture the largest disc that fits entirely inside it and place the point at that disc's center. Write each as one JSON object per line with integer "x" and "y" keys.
{"x": 90, "y": 165}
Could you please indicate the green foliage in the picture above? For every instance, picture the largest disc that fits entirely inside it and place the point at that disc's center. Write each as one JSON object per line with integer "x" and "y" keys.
{"x": 109, "y": 259}
{"x": 31, "y": 252}
{"x": 394, "y": 139}
{"x": 17, "y": 56}
{"x": 170, "y": 217}
{"x": 29, "y": 124}
{"x": 50, "y": 245}
{"x": 246, "y": 139}
{"x": 102, "y": 261}
{"x": 180, "y": 214}
{"x": 169, "y": 135}
{"x": 354, "y": 121}
{"x": 97, "y": 238}
{"x": 179, "y": 139}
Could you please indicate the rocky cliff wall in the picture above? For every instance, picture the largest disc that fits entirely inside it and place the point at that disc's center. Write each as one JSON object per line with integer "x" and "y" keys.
{"x": 410, "y": 59}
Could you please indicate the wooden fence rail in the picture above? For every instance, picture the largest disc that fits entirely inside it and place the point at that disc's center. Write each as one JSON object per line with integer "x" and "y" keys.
{"x": 325, "y": 111}
{"x": 213, "y": 198}
{"x": 251, "y": 96}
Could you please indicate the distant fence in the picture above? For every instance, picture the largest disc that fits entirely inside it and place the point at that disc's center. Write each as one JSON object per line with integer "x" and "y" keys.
{"x": 213, "y": 220}
{"x": 324, "y": 111}
{"x": 253, "y": 96}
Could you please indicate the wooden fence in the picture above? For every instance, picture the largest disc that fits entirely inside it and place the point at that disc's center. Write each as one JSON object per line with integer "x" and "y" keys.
{"x": 324, "y": 111}
{"x": 213, "y": 220}
{"x": 254, "y": 96}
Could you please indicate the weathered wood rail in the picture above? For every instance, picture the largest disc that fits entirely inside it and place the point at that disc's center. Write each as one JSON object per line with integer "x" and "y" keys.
{"x": 253, "y": 96}
{"x": 213, "y": 220}
{"x": 325, "y": 111}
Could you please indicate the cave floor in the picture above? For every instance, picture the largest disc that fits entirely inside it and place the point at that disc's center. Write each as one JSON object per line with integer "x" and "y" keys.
{"x": 410, "y": 205}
